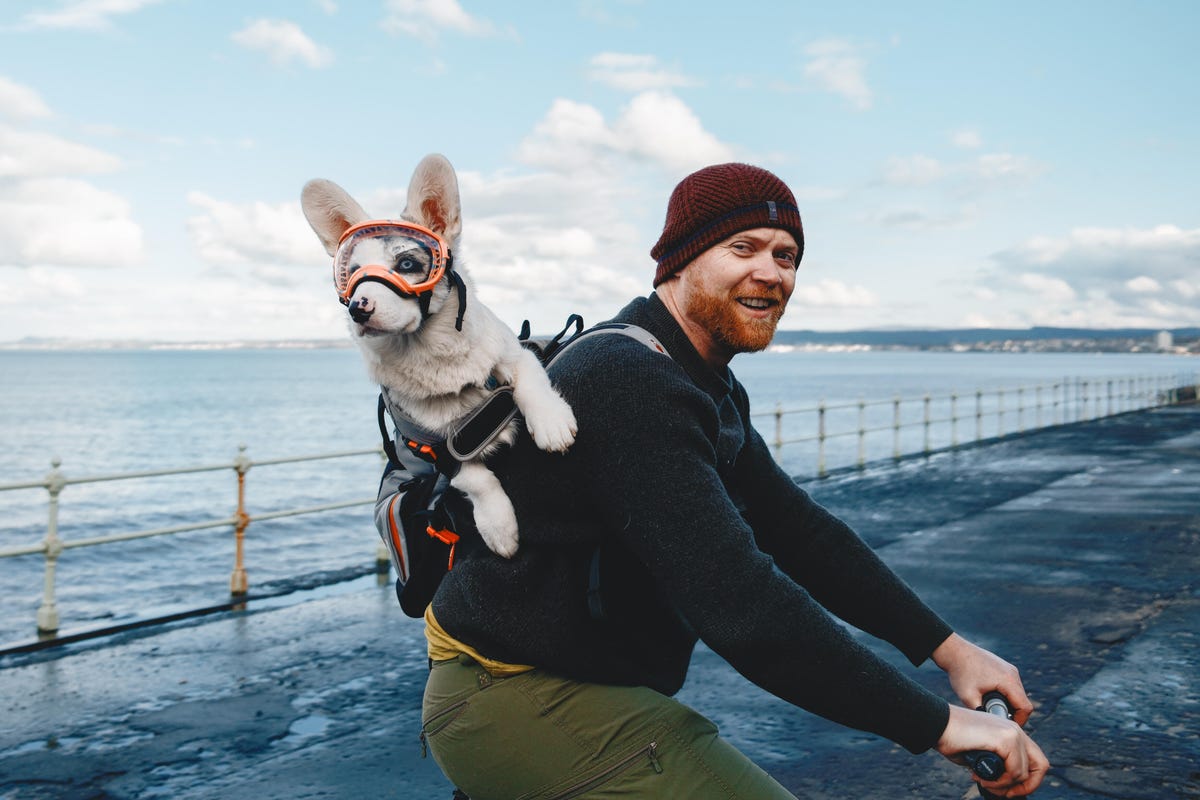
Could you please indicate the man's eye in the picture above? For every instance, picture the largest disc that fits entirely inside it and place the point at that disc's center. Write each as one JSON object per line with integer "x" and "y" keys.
{"x": 789, "y": 258}
{"x": 741, "y": 247}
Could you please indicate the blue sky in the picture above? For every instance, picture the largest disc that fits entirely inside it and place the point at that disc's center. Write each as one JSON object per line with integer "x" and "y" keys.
{"x": 956, "y": 164}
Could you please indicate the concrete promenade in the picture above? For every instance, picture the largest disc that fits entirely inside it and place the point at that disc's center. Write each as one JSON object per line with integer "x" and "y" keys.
{"x": 1073, "y": 552}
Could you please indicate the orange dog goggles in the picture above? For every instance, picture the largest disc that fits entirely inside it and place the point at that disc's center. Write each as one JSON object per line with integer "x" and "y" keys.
{"x": 406, "y": 257}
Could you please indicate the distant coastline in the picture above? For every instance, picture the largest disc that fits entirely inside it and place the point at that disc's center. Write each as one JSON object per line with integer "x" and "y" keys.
{"x": 1181, "y": 341}
{"x": 36, "y": 344}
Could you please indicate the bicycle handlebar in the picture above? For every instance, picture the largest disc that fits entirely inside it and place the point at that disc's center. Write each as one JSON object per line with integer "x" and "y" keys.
{"x": 987, "y": 765}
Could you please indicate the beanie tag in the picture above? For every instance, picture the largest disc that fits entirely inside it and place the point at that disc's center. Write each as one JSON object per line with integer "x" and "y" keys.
{"x": 772, "y": 213}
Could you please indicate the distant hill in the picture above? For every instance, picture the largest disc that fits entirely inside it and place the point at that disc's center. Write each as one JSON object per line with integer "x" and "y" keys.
{"x": 924, "y": 339}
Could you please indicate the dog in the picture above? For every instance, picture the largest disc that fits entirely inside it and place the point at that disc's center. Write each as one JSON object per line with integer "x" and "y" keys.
{"x": 435, "y": 357}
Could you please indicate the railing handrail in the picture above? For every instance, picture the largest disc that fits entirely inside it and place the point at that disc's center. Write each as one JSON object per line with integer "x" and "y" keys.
{"x": 159, "y": 473}
{"x": 1070, "y": 400}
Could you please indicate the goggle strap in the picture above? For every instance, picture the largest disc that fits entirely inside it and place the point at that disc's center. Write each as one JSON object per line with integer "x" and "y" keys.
{"x": 462, "y": 298}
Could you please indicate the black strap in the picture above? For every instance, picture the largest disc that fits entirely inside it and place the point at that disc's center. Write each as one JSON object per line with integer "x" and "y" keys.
{"x": 594, "y": 601}
{"x": 457, "y": 280}
{"x": 389, "y": 446}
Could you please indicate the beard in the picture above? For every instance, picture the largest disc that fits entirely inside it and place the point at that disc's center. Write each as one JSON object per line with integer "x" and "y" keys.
{"x": 721, "y": 316}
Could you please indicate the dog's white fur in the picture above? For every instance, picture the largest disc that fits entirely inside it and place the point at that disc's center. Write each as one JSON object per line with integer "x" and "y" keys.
{"x": 433, "y": 372}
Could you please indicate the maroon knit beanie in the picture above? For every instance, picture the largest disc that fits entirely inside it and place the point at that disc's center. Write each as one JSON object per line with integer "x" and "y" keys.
{"x": 716, "y": 202}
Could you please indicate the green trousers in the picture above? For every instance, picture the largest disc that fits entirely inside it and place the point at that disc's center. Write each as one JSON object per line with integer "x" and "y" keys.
{"x": 534, "y": 736}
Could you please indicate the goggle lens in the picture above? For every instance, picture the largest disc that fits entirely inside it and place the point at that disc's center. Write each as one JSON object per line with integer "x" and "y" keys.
{"x": 408, "y": 257}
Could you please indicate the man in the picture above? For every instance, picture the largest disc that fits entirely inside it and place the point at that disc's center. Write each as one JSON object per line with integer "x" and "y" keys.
{"x": 668, "y": 521}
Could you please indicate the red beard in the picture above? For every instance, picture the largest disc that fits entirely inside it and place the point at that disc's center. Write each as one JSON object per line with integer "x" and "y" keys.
{"x": 729, "y": 327}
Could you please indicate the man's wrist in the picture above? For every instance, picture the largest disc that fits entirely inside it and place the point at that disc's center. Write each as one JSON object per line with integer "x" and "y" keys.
{"x": 947, "y": 653}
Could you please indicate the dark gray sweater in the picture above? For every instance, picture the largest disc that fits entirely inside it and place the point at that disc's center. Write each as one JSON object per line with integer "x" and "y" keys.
{"x": 700, "y": 535}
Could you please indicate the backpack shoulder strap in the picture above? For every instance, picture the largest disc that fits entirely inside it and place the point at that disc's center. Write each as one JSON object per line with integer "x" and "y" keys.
{"x": 632, "y": 331}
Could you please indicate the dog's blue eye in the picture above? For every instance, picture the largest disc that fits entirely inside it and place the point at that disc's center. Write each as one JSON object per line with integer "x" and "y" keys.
{"x": 407, "y": 265}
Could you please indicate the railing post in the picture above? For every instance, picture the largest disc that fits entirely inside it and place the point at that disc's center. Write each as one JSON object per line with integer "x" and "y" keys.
{"x": 778, "y": 431}
{"x": 896, "y": 427}
{"x": 1020, "y": 409}
{"x": 978, "y": 414}
{"x": 1085, "y": 402}
{"x": 999, "y": 412}
{"x": 1054, "y": 401}
{"x": 1109, "y": 405}
{"x": 239, "y": 584}
{"x": 47, "y": 614}
{"x": 953, "y": 419}
{"x": 1037, "y": 406}
{"x": 862, "y": 433}
{"x": 821, "y": 439}
{"x": 925, "y": 420}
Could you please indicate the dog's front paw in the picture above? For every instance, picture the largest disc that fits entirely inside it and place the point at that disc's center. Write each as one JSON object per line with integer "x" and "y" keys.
{"x": 553, "y": 426}
{"x": 499, "y": 532}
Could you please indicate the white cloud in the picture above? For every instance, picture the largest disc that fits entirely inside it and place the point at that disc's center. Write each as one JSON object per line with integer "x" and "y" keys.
{"x": 423, "y": 19}
{"x": 283, "y": 42}
{"x": 1110, "y": 276}
{"x": 662, "y": 128}
{"x": 30, "y": 155}
{"x": 85, "y": 14}
{"x": 20, "y": 102}
{"x": 65, "y": 222}
{"x": 828, "y": 293}
{"x": 1143, "y": 284}
{"x": 916, "y": 170}
{"x": 966, "y": 139}
{"x": 260, "y": 235}
{"x": 1053, "y": 290}
{"x": 921, "y": 219}
{"x": 836, "y": 66}
{"x": 1114, "y": 253}
{"x": 1007, "y": 166}
{"x": 1186, "y": 289}
{"x": 635, "y": 73}
{"x": 655, "y": 126}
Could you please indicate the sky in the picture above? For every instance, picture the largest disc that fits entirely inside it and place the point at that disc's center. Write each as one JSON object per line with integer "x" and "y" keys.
{"x": 979, "y": 164}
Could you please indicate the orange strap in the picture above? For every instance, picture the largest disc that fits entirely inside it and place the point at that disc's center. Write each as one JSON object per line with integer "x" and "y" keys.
{"x": 445, "y": 536}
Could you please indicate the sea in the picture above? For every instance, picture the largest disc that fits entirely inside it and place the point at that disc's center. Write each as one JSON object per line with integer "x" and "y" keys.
{"x": 108, "y": 413}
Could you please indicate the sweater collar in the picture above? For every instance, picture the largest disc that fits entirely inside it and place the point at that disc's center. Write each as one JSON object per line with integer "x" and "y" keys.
{"x": 651, "y": 314}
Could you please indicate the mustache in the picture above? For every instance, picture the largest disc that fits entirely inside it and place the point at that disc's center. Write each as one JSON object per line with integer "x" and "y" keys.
{"x": 774, "y": 295}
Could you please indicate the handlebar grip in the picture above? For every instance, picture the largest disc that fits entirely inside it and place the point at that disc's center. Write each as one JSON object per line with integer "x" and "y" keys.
{"x": 986, "y": 765}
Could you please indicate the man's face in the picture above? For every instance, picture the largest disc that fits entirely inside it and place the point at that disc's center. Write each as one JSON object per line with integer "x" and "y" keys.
{"x": 732, "y": 295}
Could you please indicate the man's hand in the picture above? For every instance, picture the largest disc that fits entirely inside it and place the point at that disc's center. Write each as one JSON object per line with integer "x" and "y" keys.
{"x": 1024, "y": 763}
{"x": 973, "y": 672}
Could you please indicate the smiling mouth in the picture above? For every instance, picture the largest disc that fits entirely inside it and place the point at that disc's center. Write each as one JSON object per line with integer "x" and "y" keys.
{"x": 758, "y": 303}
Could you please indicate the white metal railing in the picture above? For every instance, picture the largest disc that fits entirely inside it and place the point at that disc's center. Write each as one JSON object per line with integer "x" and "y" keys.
{"x": 1054, "y": 404}
{"x": 1024, "y": 408}
{"x": 52, "y": 546}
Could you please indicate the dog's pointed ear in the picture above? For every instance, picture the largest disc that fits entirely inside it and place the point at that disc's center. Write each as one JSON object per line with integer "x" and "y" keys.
{"x": 433, "y": 197}
{"x": 330, "y": 211}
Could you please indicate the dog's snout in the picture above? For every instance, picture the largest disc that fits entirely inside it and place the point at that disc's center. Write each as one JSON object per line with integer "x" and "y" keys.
{"x": 361, "y": 310}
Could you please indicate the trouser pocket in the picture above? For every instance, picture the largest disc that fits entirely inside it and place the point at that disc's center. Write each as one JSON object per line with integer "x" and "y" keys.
{"x": 645, "y": 758}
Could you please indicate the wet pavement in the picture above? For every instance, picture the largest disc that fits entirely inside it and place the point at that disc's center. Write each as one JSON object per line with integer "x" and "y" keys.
{"x": 1073, "y": 552}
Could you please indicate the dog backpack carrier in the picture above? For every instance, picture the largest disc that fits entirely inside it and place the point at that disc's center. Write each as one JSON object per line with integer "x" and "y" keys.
{"x": 416, "y": 525}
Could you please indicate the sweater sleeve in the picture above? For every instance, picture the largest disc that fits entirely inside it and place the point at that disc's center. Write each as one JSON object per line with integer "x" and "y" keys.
{"x": 653, "y": 444}
{"x": 827, "y": 558}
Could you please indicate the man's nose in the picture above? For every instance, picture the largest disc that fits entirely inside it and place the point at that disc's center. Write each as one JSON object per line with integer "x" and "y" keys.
{"x": 767, "y": 270}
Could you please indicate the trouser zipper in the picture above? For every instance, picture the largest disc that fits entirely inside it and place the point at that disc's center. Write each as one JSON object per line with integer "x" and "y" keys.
{"x": 650, "y": 752}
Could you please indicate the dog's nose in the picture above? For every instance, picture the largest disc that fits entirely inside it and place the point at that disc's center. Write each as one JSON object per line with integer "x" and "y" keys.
{"x": 361, "y": 310}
